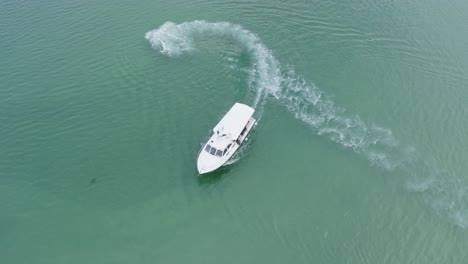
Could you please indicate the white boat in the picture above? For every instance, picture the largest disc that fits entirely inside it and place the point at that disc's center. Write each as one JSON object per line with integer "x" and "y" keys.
{"x": 228, "y": 135}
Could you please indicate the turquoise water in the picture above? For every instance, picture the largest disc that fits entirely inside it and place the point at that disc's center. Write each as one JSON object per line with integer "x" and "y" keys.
{"x": 359, "y": 155}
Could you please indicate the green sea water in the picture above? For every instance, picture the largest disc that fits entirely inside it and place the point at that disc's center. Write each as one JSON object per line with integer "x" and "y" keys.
{"x": 359, "y": 155}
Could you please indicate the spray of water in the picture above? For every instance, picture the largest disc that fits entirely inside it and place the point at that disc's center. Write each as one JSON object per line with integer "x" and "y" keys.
{"x": 306, "y": 101}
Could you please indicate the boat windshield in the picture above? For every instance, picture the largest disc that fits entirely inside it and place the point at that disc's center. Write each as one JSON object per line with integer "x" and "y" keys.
{"x": 213, "y": 151}
{"x": 207, "y": 148}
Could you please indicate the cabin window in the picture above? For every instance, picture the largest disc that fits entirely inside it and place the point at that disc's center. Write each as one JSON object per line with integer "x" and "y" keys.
{"x": 224, "y": 152}
{"x": 207, "y": 148}
{"x": 213, "y": 151}
{"x": 219, "y": 153}
{"x": 229, "y": 146}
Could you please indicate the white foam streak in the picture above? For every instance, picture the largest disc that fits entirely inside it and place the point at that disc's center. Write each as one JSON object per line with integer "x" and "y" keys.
{"x": 446, "y": 193}
{"x": 312, "y": 106}
{"x": 176, "y": 39}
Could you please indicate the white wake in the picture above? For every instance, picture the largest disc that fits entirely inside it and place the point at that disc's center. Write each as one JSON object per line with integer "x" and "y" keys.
{"x": 306, "y": 101}
{"x": 267, "y": 80}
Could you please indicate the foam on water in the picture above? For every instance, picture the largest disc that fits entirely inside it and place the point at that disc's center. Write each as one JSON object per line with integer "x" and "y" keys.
{"x": 176, "y": 39}
{"x": 306, "y": 101}
{"x": 446, "y": 193}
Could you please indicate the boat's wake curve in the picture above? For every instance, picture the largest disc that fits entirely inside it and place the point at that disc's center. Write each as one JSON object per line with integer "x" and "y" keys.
{"x": 266, "y": 79}
{"x": 301, "y": 97}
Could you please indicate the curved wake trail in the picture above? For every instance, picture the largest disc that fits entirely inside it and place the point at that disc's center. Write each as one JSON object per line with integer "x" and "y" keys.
{"x": 176, "y": 39}
{"x": 306, "y": 101}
